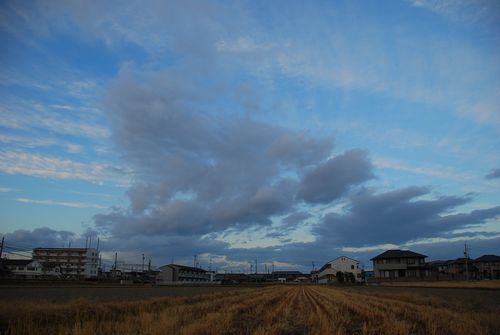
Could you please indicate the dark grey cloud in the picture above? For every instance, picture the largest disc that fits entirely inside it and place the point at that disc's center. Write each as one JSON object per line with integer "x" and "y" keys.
{"x": 397, "y": 217}
{"x": 494, "y": 174}
{"x": 197, "y": 172}
{"x": 295, "y": 218}
{"x": 40, "y": 237}
{"x": 333, "y": 178}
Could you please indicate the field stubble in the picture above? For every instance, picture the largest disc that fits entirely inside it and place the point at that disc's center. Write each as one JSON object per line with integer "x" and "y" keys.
{"x": 266, "y": 310}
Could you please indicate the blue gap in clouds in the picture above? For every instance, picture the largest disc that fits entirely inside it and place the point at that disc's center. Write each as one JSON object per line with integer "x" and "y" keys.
{"x": 93, "y": 57}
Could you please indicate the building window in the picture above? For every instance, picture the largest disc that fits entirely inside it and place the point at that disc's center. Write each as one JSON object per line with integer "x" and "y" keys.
{"x": 352, "y": 267}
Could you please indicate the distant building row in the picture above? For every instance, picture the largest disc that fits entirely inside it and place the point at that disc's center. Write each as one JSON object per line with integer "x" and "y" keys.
{"x": 79, "y": 263}
{"x": 343, "y": 266}
{"x": 406, "y": 264}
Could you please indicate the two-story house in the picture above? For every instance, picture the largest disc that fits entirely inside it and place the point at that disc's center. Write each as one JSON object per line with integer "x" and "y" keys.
{"x": 393, "y": 264}
{"x": 488, "y": 266}
{"x": 23, "y": 268}
{"x": 344, "y": 264}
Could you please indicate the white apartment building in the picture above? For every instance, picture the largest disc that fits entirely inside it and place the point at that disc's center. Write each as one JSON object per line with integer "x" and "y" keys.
{"x": 72, "y": 262}
{"x": 328, "y": 272}
{"x": 181, "y": 274}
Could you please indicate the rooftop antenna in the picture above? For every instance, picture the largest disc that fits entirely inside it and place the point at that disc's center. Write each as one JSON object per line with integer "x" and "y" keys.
{"x": 1, "y": 247}
{"x": 195, "y": 260}
{"x": 210, "y": 264}
{"x": 466, "y": 254}
{"x": 142, "y": 262}
{"x": 90, "y": 241}
{"x": 86, "y": 241}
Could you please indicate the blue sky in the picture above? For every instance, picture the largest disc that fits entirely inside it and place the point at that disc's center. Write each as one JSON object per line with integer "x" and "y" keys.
{"x": 286, "y": 132}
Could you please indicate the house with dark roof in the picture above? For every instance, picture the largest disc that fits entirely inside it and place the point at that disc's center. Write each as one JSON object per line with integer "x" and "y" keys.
{"x": 399, "y": 264}
{"x": 181, "y": 274}
{"x": 461, "y": 268}
{"x": 23, "y": 268}
{"x": 488, "y": 267}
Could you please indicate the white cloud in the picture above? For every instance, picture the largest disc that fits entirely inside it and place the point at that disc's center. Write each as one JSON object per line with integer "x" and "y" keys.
{"x": 31, "y": 116}
{"x": 15, "y": 162}
{"x": 470, "y": 11}
{"x": 60, "y": 203}
{"x": 6, "y": 190}
{"x": 438, "y": 171}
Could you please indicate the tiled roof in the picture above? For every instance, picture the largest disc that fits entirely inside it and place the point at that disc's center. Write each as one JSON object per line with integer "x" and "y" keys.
{"x": 398, "y": 254}
{"x": 185, "y": 268}
{"x": 17, "y": 262}
{"x": 488, "y": 258}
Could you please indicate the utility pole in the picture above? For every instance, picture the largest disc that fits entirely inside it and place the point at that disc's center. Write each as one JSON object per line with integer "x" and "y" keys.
{"x": 142, "y": 262}
{"x": 116, "y": 257}
{"x": 256, "y": 267}
{"x": 1, "y": 247}
{"x": 466, "y": 254}
{"x": 149, "y": 265}
{"x": 97, "y": 244}
{"x": 86, "y": 242}
{"x": 210, "y": 265}
{"x": 90, "y": 241}
{"x": 195, "y": 260}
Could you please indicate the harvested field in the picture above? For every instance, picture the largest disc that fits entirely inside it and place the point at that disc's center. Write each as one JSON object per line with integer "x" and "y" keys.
{"x": 264, "y": 310}
{"x": 99, "y": 293}
{"x": 445, "y": 284}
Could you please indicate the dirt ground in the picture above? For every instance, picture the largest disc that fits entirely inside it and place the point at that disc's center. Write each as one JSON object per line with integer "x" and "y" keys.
{"x": 99, "y": 293}
{"x": 111, "y": 293}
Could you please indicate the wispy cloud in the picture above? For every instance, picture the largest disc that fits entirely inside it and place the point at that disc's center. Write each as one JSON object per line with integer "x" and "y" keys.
{"x": 36, "y": 116}
{"x": 60, "y": 203}
{"x": 31, "y": 142}
{"x": 438, "y": 172}
{"x": 6, "y": 190}
{"x": 16, "y": 162}
{"x": 470, "y": 11}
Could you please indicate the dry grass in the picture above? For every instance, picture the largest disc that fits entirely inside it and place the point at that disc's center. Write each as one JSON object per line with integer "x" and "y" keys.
{"x": 267, "y": 310}
{"x": 451, "y": 284}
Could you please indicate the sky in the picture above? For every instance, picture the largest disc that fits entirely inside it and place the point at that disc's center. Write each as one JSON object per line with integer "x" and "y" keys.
{"x": 286, "y": 132}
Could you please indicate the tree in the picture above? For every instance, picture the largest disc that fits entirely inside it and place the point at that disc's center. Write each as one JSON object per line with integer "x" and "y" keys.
{"x": 350, "y": 277}
{"x": 340, "y": 276}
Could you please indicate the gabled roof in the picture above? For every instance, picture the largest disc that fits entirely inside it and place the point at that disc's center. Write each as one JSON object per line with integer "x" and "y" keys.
{"x": 184, "y": 268}
{"x": 343, "y": 257}
{"x": 396, "y": 253}
{"x": 458, "y": 261}
{"x": 17, "y": 262}
{"x": 488, "y": 258}
{"x": 63, "y": 249}
{"x": 289, "y": 273}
